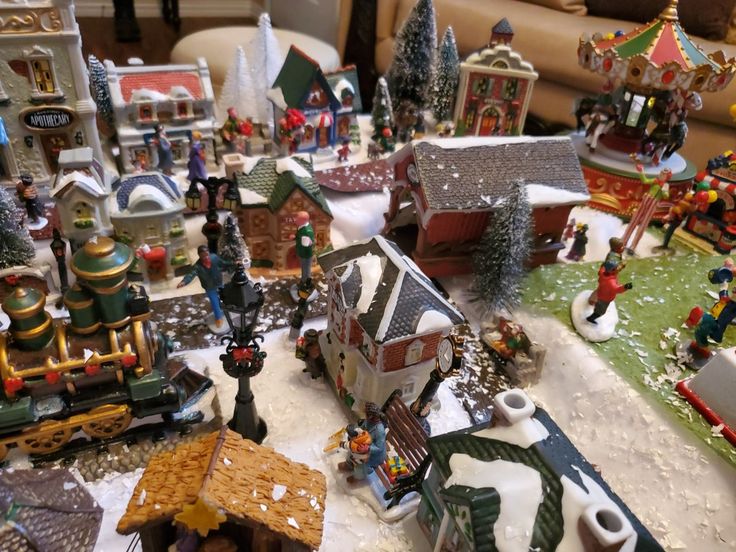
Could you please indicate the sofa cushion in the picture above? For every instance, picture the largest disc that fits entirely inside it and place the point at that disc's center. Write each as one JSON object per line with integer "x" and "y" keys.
{"x": 577, "y": 7}
{"x": 711, "y": 22}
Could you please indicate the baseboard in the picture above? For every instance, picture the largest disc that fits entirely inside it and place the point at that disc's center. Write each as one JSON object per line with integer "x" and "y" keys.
{"x": 187, "y": 8}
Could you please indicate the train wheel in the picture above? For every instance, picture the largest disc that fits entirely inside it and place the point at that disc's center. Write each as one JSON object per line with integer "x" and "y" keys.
{"x": 45, "y": 439}
{"x": 108, "y": 427}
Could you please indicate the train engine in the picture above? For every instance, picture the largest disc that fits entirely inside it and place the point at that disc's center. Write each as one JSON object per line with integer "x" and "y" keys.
{"x": 94, "y": 372}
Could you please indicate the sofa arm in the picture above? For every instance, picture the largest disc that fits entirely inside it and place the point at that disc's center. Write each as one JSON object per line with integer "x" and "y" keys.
{"x": 345, "y": 11}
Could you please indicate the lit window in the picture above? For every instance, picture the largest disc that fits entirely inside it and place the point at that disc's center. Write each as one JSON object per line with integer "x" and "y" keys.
{"x": 43, "y": 76}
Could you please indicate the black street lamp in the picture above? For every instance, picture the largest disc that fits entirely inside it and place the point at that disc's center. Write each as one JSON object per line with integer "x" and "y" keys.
{"x": 212, "y": 229}
{"x": 58, "y": 247}
{"x": 241, "y": 302}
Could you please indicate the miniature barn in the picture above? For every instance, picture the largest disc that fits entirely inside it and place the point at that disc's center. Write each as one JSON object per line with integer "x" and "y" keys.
{"x": 228, "y": 487}
{"x": 453, "y": 185}
{"x": 520, "y": 484}
{"x": 385, "y": 317}
{"x": 272, "y": 191}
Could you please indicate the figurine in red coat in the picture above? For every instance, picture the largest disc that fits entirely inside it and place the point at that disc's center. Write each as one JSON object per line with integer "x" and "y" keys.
{"x": 608, "y": 288}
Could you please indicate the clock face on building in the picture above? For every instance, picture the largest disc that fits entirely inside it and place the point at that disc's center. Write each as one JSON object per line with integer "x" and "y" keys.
{"x": 412, "y": 174}
{"x": 445, "y": 355}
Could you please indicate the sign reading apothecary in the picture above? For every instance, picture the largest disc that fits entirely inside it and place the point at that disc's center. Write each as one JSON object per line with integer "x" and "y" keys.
{"x": 47, "y": 118}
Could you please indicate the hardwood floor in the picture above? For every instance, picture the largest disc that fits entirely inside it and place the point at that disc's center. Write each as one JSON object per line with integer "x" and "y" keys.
{"x": 157, "y": 38}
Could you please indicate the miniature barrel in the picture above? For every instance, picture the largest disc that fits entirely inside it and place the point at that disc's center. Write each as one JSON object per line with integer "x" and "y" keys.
{"x": 727, "y": 241}
{"x": 101, "y": 267}
{"x": 81, "y": 307}
{"x": 30, "y": 325}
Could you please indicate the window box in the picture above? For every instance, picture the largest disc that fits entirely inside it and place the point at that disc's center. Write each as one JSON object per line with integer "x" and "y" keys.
{"x": 178, "y": 260}
{"x": 83, "y": 223}
{"x": 176, "y": 232}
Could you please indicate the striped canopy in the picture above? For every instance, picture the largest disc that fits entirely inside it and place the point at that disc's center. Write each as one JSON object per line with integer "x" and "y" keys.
{"x": 659, "y": 54}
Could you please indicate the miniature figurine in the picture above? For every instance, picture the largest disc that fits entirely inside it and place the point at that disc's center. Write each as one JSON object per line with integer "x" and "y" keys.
{"x": 230, "y": 131}
{"x": 163, "y": 148}
{"x": 512, "y": 340}
{"x": 608, "y": 288}
{"x": 308, "y": 350}
{"x": 374, "y": 151}
{"x": 208, "y": 269}
{"x": 614, "y": 257}
{"x": 601, "y": 119}
{"x": 28, "y": 194}
{"x": 723, "y": 276}
{"x": 58, "y": 248}
{"x": 304, "y": 244}
{"x": 344, "y": 151}
{"x": 407, "y": 119}
{"x": 578, "y": 247}
{"x": 373, "y": 425}
{"x": 291, "y": 129}
{"x": 706, "y": 327}
{"x": 677, "y": 214}
{"x": 197, "y": 158}
{"x": 155, "y": 258}
{"x": 569, "y": 230}
{"x": 658, "y": 190}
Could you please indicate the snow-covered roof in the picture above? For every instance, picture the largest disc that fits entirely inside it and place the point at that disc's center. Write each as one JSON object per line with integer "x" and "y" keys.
{"x": 134, "y": 191}
{"x": 389, "y": 296}
{"x": 540, "y": 488}
{"x": 473, "y": 173}
{"x": 284, "y": 164}
{"x": 67, "y": 182}
{"x": 149, "y": 198}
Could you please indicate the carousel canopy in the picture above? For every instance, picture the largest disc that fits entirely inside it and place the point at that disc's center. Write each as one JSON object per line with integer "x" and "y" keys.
{"x": 659, "y": 56}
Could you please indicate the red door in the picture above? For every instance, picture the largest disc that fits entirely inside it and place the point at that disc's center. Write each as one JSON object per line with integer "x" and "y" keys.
{"x": 488, "y": 122}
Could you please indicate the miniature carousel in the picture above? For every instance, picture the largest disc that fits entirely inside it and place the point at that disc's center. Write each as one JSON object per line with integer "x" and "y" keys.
{"x": 654, "y": 76}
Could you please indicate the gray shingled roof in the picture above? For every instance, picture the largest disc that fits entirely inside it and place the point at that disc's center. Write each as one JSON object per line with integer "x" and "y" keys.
{"x": 455, "y": 176}
{"x": 393, "y": 313}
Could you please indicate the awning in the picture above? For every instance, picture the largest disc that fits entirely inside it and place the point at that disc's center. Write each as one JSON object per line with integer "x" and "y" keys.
{"x": 324, "y": 120}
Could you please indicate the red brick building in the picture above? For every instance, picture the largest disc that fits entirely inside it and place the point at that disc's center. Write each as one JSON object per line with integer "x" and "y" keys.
{"x": 387, "y": 319}
{"x": 455, "y": 184}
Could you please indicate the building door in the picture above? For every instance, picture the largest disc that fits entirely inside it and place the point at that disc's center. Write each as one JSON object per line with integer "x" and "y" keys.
{"x": 324, "y": 137}
{"x": 488, "y": 122}
{"x": 52, "y": 146}
{"x": 292, "y": 261}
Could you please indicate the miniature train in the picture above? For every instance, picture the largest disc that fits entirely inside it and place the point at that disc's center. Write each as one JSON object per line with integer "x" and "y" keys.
{"x": 97, "y": 371}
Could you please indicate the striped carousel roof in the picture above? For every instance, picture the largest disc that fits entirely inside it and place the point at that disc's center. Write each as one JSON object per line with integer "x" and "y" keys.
{"x": 664, "y": 45}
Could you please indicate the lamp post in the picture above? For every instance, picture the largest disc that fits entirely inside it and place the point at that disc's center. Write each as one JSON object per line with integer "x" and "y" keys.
{"x": 241, "y": 302}
{"x": 212, "y": 229}
{"x": 58, "y": 247}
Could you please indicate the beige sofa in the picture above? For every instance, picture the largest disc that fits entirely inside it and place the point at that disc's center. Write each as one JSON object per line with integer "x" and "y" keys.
{"x": 548, "y": 37}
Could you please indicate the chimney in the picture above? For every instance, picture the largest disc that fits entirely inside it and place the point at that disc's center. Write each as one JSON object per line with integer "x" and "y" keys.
{"x": 511, "y": 407}
{"x": 501, "y": 33}
{"x": 604, "y": 528}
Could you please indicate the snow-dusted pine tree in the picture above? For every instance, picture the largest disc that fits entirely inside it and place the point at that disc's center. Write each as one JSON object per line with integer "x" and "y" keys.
{"x": 382, "y": 115}
{"x": 410, "y": 74}
{"x": 16, "y": 245}
{"x": 232, "y": 246}
{"x": 101, "y": 92}
{"x": 237, "y": 90}
{"x": 265, "y": 62}
{"x": 498, "y": 262}
{"x": 444, "y": 86}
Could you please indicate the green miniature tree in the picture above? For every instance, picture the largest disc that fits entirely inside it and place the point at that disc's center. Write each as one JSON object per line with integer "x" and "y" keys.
{"x": 16, "y": 245}
{"x": 504, "y": 248}
{"x": 410, "y": 74}
{"x": 446, "y": 78}
{"x": 232, "y": 247}
{"x": 382, "y": 115}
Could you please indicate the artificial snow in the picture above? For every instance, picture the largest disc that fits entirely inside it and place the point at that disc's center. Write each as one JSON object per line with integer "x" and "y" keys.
{"x": 371, "y": 270}
{"x": 543, "y": 195}
{"x": 288, "y": 164}
{"x": 523, "y": 433}
{"x": 278, "y": 492}
{"x": 519, "y": 488}
{"x": 433, "y": 320}
{"x": 605, "y": 327}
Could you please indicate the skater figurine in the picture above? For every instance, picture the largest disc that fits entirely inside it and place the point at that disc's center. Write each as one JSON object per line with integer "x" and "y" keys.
{"x": 677, "y": 214}
{"x": 577, "y": 249}
{"x": 208, "y": 269}
{"x": 614, "y": 257}
{"x": 658, "y": 190}
{"x": 706, "y": 326}
{"x": 304, "y": 243}
{"x": 569, "y": 230}
{"x": 344, "y": 151}
{"x": 230, "y": 131}
{"x": 28, "y": 194}
{"x": 163, "y": 148}
{"x": 197, "y": 157}
{"x": 372, "y": 424}
{"x": 607, "y": 290}
{"x": 723, "y": 276}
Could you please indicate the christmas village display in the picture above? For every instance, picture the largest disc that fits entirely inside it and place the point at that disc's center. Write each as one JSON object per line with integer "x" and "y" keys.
{"x": 396, "y": 337}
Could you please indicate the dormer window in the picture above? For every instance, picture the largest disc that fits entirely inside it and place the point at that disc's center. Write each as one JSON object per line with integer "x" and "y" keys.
{"x": 145, "y": 113}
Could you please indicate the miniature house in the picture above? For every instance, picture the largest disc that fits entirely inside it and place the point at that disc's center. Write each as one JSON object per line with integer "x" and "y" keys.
{"x": 494, "y": 89}
{"x": 246, "y": 492}
{"x": 385, "y": 317}
{"x": 180, "y": 97}
{"x": 45, "y": 102}
{"x": 82, "y": 191}
{"x": 47, "y": 510}
{"x": 454, "y": 184}
{"x": 520, "y": 484}
{"x": 149, "y": 209}
{"x": 271, "y": 192}
{"x": 330, "y": 103}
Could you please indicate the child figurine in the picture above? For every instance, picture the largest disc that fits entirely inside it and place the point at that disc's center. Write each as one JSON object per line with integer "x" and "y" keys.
{"x": 208, "y": 269}
{"x": 344, "y": 151}
{"x": 372, "y": 424}
{"x": 197, "y": 157}
{"x": 658, "y": 191}
{"x": 678, "y": 213}
{"x": 615, "y": 254}
{"x": 577, "y": 249}
{"x": 569, "y": 230}
{"x": 28, "y": 194}
{"x": 163, "y": 148}
{"x": 607, "y": 290}
{"x": 230, "y": 131}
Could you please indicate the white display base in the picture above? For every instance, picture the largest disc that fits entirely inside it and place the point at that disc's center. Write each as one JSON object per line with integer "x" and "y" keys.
{"x": 294, "y": 292}
{"x": 370, "y": 491}
{"x": 619, "y": 161}
{"x": 603, "y": 330}
{"x": 42, "y": 222}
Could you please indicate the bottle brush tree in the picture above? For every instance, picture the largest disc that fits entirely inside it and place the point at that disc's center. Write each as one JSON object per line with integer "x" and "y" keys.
{"x": 16, "y": 245}
{"x": 232, "y": 247}
{"x": 444, "y": 86}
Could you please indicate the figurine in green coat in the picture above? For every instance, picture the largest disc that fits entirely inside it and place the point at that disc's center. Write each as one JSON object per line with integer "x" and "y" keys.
{"x": 304, "y": 243}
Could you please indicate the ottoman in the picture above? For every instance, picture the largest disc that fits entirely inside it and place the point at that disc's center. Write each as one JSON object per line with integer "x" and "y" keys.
{"x": 218, "y": 45}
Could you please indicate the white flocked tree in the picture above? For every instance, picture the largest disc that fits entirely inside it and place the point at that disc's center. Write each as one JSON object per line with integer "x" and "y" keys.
{"x": 266, "y": 61}
{"x": 446, "y": 78}
{"x": 16, "y": 245}
{"x": 237, "y": 90}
